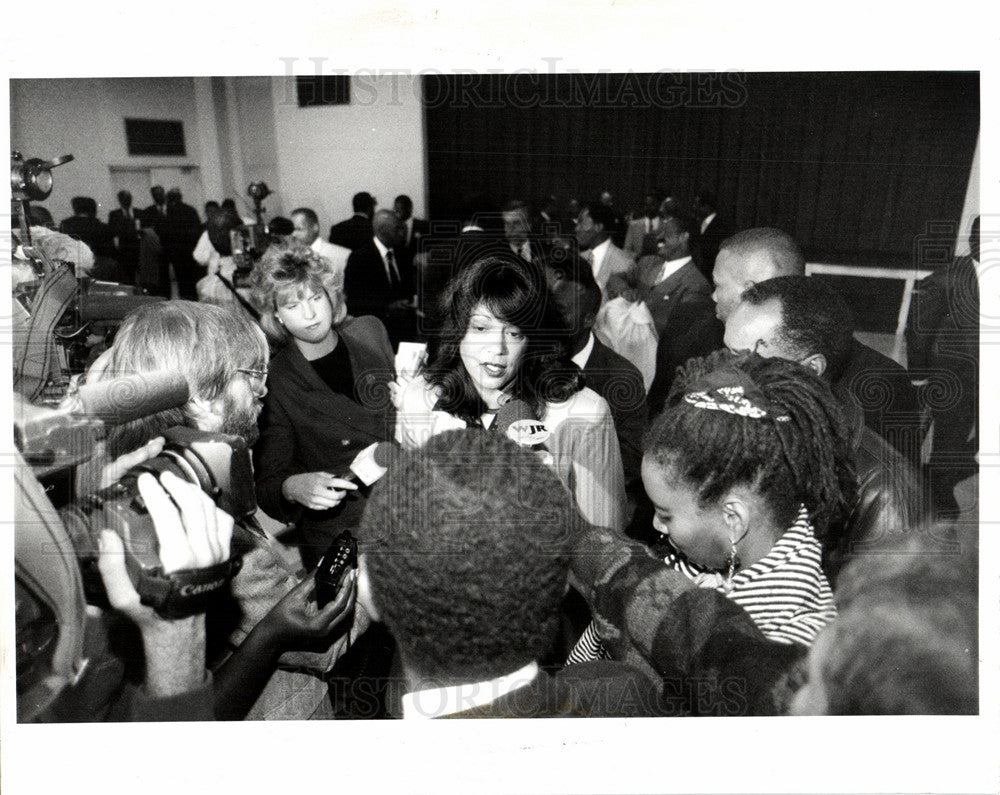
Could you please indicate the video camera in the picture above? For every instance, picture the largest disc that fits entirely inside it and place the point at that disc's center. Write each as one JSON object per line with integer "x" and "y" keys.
{"x": 56, "y": 441}
{"x": 249, "y": 242}
{"x": 55, "y": 308}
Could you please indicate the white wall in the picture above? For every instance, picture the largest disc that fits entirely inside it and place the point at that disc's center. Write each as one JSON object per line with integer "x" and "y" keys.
{"x": 327, "y": 154}
{"x": 85, "y": 118}
{"x": 237, "y": 130}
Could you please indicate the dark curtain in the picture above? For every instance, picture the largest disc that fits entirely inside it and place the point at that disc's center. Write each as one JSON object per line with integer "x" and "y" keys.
{"x": 854, "y": 165}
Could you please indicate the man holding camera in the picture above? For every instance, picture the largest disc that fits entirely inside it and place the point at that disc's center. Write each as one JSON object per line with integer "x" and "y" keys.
{"x": 226, "y": 387}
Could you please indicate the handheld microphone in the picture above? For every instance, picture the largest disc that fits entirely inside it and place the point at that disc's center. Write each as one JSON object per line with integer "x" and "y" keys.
{"x": 130, "y": 397}
{"x": 518, "y": 422}
{"x": 54, "y": 439}
{"x": 372, "y": 463}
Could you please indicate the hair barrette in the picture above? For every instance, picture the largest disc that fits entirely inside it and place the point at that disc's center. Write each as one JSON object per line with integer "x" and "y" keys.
{"x": 732, "y": 400}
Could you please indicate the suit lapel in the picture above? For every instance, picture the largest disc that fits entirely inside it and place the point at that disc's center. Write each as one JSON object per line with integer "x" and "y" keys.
{"x": 348, "y": 411}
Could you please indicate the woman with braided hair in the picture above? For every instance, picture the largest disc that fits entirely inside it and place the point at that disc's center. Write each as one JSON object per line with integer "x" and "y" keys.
{"x": 749, "y": 470}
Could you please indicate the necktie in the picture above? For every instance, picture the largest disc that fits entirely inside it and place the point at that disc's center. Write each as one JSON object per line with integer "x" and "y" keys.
{"x": 394, "y": 279}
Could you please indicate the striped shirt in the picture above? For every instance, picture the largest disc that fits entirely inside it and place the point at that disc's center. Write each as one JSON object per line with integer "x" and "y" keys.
{"x": 786, "y": 592}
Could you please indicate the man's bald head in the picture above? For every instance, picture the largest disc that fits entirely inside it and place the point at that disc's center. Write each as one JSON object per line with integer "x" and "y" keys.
{"x": 388, "y": 228}
{"x": 751, "y": 256}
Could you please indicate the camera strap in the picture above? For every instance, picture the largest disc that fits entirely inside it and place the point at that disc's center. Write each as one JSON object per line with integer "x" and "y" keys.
{"x": 185, "y": 592}
{"x": 243, "y": 301}
{"x": 37, "y": 362}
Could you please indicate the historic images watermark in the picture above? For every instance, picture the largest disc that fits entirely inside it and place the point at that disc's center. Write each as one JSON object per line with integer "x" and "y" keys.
{"x": 551, "y": 86}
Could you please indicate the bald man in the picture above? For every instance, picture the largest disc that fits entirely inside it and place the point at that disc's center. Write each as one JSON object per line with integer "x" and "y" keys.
{"x": 751, "y": 256}
{"x": 880, "y": 385}
{"x": 378, "y": 283}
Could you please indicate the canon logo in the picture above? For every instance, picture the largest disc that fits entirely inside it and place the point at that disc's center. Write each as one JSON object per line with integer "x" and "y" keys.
{"x": 194, "y": 589}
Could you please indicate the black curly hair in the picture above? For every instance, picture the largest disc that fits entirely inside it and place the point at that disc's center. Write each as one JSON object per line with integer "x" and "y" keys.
{"x": 804, "y": 460}
{"x": 467, "y": 548}
{"x": 516, "y": 292}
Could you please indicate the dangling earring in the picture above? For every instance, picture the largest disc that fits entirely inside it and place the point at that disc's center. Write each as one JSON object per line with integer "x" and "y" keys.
{"x": 734, "y": 564}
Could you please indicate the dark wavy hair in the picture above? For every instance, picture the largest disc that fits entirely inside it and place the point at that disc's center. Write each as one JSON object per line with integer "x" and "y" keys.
{"x": 515, "y": 291}
{"x": 804, "y": 460}
{"x": 467, "y": 549}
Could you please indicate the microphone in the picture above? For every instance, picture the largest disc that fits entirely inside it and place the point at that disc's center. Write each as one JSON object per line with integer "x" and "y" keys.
{"x": 372, "y": 463}
{"x": 518, "y": 422}
{"x": 130, "y": 397}
{"x": 54, "y": 439}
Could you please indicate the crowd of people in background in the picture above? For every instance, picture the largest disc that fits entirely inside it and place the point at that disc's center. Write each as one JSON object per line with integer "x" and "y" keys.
{"x": 724, "y": 502}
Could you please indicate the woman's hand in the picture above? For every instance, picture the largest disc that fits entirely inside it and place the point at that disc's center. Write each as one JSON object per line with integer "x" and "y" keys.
{"x": 297, "y": 618}
{"x": 317, "y": 491}
{"x": 396, "y": 394}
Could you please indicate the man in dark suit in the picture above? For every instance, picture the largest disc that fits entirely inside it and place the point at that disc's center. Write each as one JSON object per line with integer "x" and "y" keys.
{"x": 807, "y": 321}
{"x": 472, "y": 627}
{"x": 415, "y": 228}
{"x": 942, "y": 347}
{"x": 124, "y": 224}
{"x": 680, "y": 301}
{"x": 378, "y": 283}
{"x": 156, "y": 213}
{"x": 617, "y": 230}
{"x": 880, "y": 385}
{"x": 517, "y": 230}
{"x": 84, "y": 226}
{"x": 355, "y": 231}
{"x": 179, "y": 236}
{"x": 640, "y": 239}
{"x": 611, "y": 375}
{"x": 713, "y": 230}
{"x": 594, "y": 239}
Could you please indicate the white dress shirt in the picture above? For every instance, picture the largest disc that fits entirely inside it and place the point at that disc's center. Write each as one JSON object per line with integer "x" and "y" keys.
{"x": 337, "y": 255}
{"x": 581, "y": 357}
{"x": 597, "y": 254}
{"x": 670, "y": 267}
{"x": 383, "y": 250}
{"x": 708, "y": 219}
{"x": 440, "y": 701}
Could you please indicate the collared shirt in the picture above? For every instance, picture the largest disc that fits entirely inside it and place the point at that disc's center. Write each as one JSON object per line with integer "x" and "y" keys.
{"x": 582, "y": 356}
{"x": 651, "y": 224}
{"x": 670, "y": 267}
{"x": 597, "y": 254}
{"x": 337, "y": 255}
{"x": 383, "y": 250}
{"x": 706, "y": 222}
{"x": 523, "y": 251}
{"x": 437, "y": 702}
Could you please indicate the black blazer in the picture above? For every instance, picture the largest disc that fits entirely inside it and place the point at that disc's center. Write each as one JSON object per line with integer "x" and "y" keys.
{"x": 125, "y": 229}
{"x": 367, "y": 285}
{"x": 620, "y": 383}
{"x": 307, "y": 427}
{"x": 352, "y": 233}
{"x": 708, "y": 243}
{"x": 882, "y": 388}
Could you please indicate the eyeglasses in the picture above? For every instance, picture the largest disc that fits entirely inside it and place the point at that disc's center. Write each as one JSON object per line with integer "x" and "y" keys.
{"x": 257, "y": 377}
